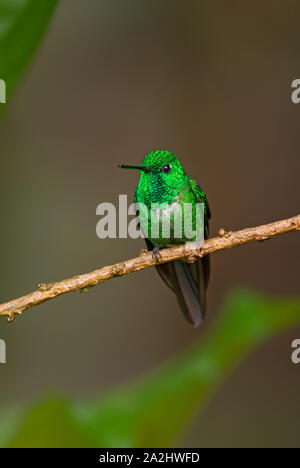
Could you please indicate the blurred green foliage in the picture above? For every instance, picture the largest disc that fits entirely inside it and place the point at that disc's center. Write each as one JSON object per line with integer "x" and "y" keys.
{"x": 22, "y": 25}
{"x": 154, "y": 411}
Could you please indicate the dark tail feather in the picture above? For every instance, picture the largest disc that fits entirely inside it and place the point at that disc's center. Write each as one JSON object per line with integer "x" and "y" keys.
{"x": 189, "y": 289}
{"x": 206, "y": 269}
{"x": 189, "y": 282}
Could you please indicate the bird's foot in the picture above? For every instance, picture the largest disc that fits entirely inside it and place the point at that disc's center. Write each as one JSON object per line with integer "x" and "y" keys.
{"x": 199, "y": 244}
{"x": 156, "y": 254}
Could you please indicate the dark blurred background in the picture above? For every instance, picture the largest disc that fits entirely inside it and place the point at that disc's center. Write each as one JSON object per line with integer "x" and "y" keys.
{"x": 208, "y": 80}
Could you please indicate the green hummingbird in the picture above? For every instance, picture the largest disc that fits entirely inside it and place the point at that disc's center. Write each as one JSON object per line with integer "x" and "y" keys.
{"x": 165, "y": 186}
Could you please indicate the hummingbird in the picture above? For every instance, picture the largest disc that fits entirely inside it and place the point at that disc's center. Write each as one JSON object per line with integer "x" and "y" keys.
{"x": 164, "y": 184}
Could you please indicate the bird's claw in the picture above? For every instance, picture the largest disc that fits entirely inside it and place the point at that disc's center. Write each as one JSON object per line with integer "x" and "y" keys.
{"x": 199, "y": 244}
{"x": 156, "y": 254}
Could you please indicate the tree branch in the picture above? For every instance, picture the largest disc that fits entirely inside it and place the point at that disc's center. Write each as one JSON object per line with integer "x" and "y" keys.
{"x": 187, "y": 252}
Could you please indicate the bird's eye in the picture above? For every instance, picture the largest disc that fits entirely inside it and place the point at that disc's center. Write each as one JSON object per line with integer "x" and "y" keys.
{"x": 166, "y": 169}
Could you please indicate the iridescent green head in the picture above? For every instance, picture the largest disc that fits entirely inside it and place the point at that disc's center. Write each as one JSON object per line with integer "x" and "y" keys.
{"x": 160, "y": 168}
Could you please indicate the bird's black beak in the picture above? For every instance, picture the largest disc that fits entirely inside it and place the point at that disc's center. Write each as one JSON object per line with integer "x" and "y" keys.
{"x": 136, "y": 168}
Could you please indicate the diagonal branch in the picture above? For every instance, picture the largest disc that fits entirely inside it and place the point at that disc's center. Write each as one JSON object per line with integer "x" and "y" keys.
{"x": 187, "y": 252}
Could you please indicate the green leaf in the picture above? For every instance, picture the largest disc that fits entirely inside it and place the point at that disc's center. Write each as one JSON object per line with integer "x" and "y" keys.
{"x": 9, "y": 419}
{"x": 51, "y": 425}
{"x": 154, "y": 411}
{"x": 22, "y": 25}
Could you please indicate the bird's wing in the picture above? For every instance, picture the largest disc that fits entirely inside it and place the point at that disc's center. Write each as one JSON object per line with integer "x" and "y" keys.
{"x": 201, "y": 198}
{"x": 188, "y": 281}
